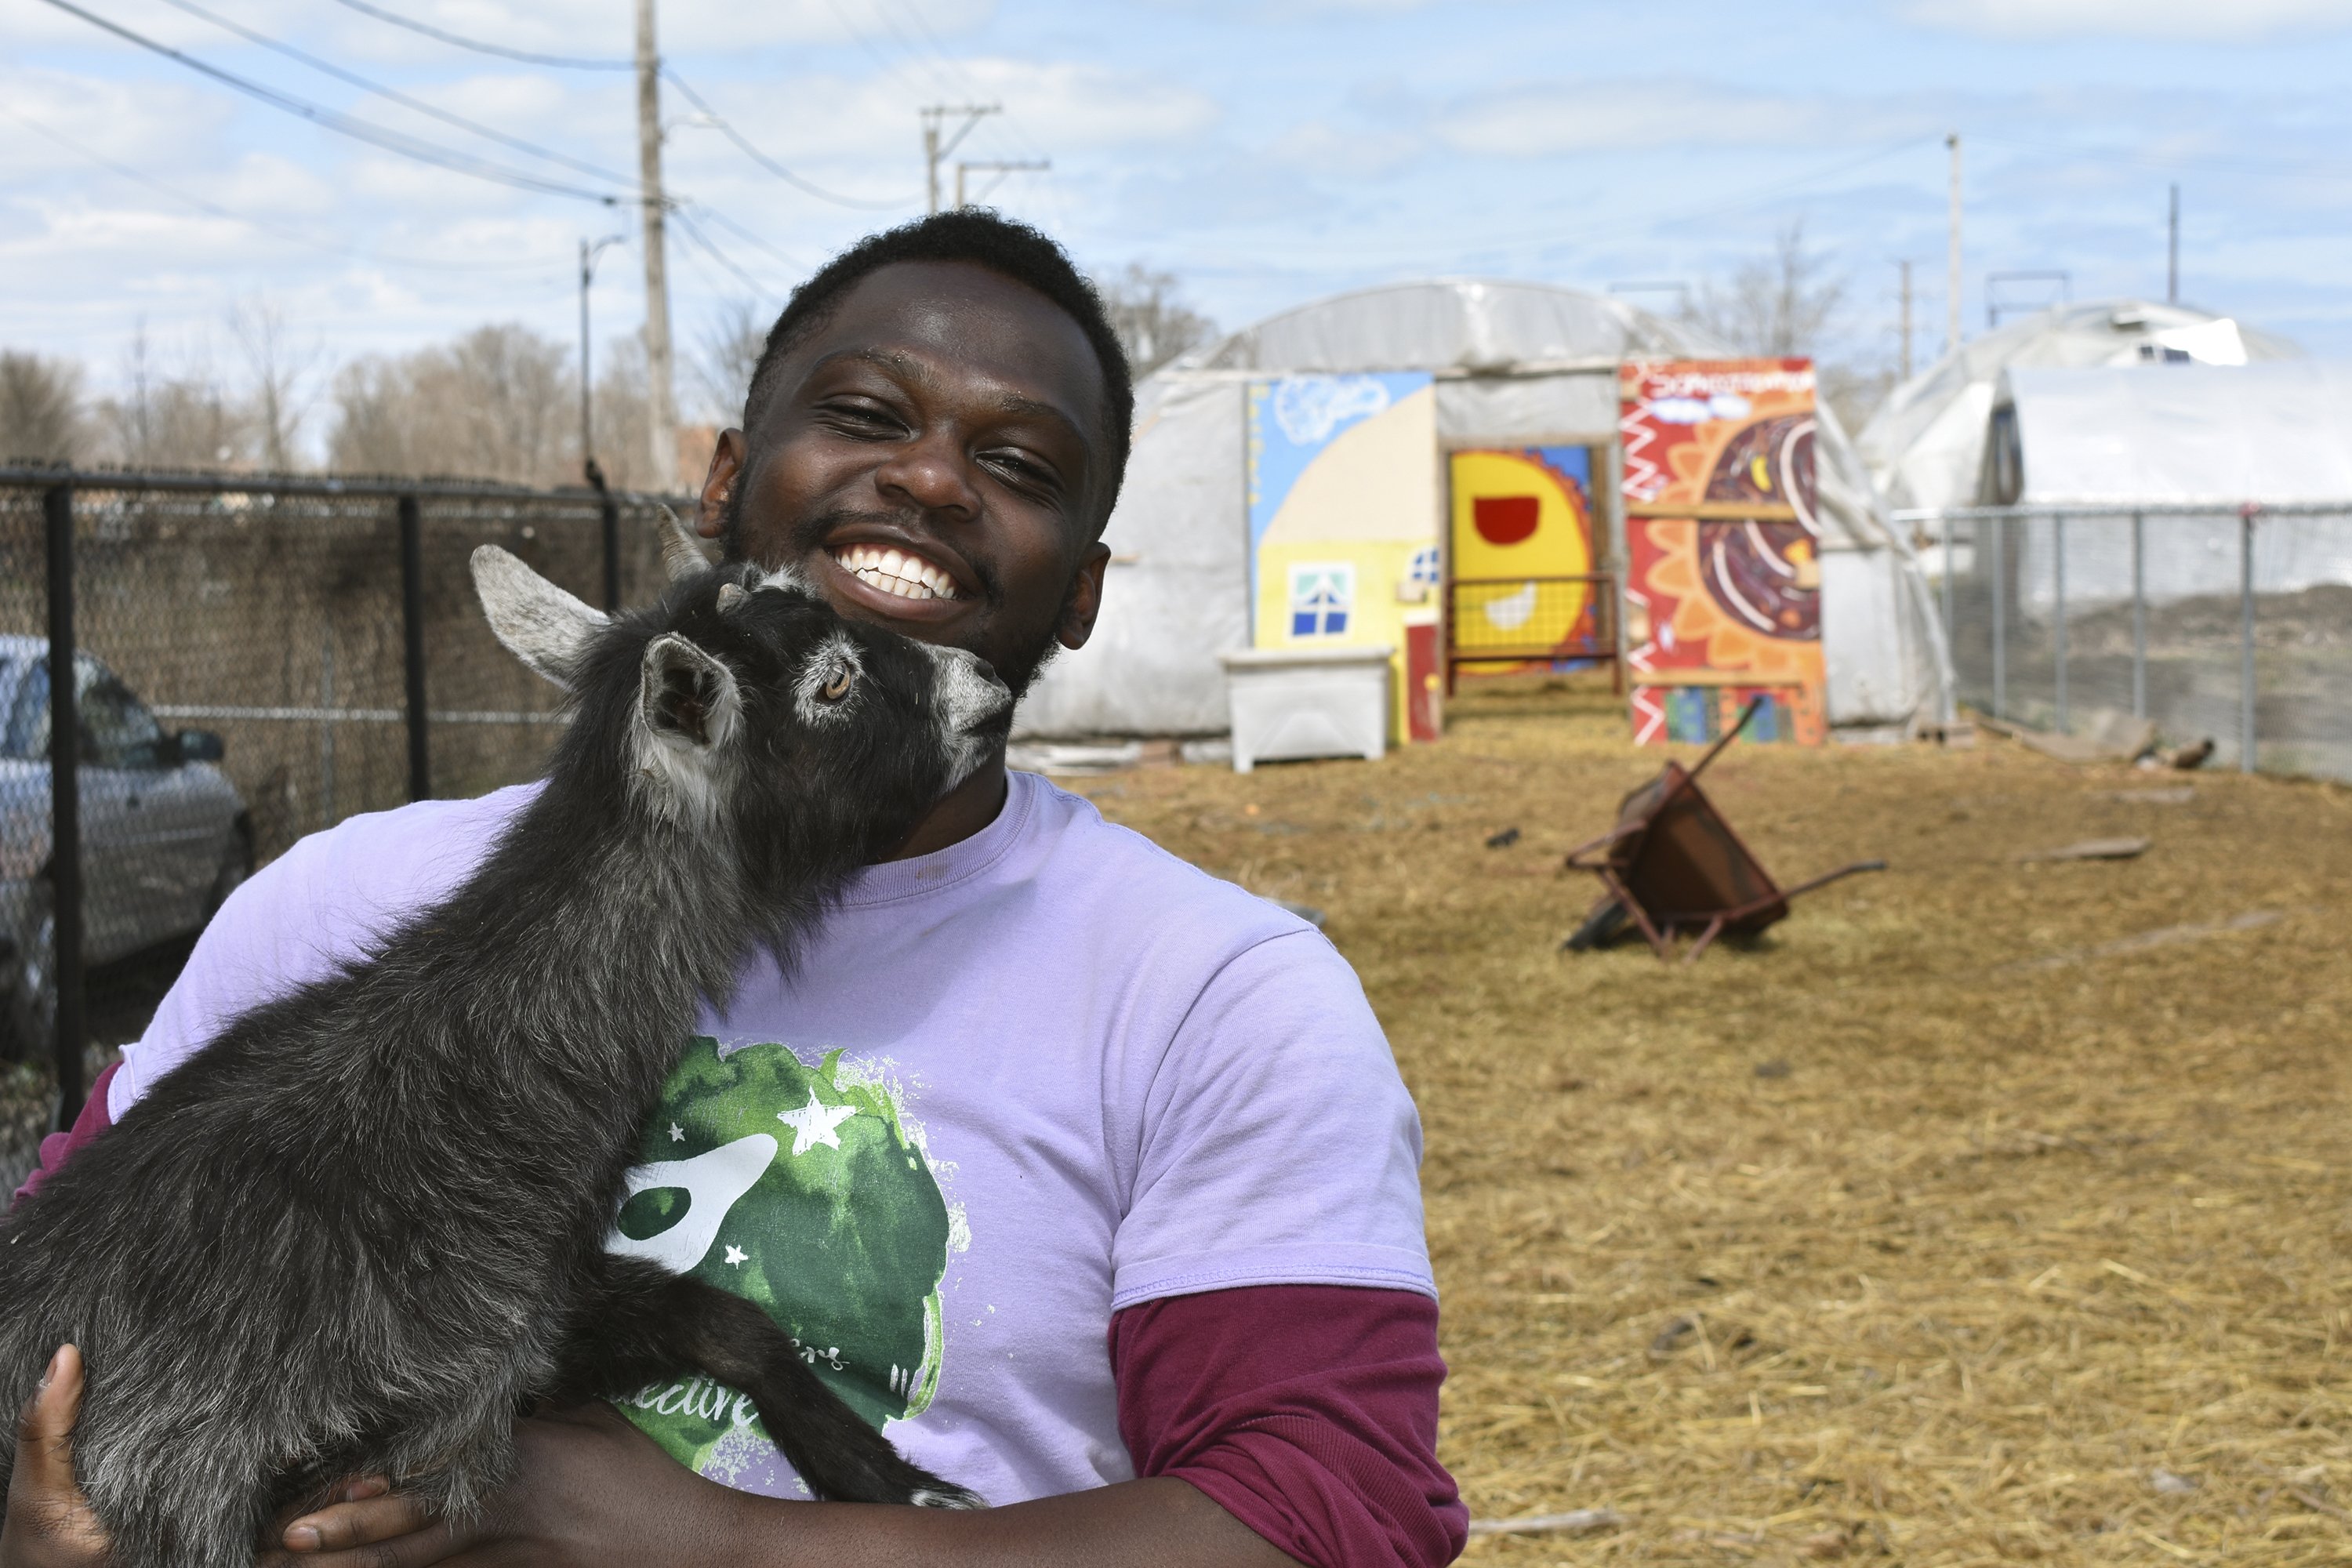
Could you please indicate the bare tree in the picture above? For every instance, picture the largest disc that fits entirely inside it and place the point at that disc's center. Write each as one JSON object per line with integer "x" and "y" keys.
{"x": 40, "y": 408}
{"x": 495, "y": 405}
{"x": 1792, "y": 303}
{"x": 282, "y": 390}
{"x": 725, "y": 358}
{"x": 1780, "y": 304}
{"x": 183, "y": 418}
{"x": 624, "y": 416}
{"x": 1154, "y": 325}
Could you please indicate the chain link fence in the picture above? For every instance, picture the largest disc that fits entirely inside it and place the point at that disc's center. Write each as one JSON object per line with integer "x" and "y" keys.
{"x": 254, "y": 661}
{"x": 2229, "y": 624}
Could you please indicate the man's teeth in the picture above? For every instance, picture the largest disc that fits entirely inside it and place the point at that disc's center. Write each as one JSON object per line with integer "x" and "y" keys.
{"x": 897, "y": 572}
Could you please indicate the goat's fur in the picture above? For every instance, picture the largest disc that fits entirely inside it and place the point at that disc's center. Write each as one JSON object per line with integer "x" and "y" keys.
{"x": 365, "y": 1228}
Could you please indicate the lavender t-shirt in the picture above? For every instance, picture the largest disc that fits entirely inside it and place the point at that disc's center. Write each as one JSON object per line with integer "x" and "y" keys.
{"x": 1043, "y": 1075}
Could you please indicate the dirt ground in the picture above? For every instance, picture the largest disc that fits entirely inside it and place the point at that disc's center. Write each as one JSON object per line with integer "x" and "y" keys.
{"x": 1985, "y": 1211}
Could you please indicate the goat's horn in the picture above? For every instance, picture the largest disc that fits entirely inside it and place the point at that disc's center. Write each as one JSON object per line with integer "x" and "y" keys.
{"x": 680, "y": 554}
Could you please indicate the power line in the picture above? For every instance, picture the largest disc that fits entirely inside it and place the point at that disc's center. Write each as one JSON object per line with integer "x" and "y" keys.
{"x": 718, "y": 121}
{"x": 358, "y": 130}
{"x": 421, "y": 106}
{"x": 201, "y": 205}
{"x": 718, "y": 124}
{"x": 694, "y": 232}
{"x": 798, "y": 263}
{"x": 564, "y": 61}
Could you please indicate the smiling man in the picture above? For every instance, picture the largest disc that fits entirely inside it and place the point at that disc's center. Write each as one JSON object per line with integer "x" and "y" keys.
{"x": 1089, "y": 1178}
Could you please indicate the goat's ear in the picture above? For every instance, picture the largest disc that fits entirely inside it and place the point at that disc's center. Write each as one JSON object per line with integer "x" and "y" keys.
{"x": 686, "y": 696}
{"x": 538, "y": 623}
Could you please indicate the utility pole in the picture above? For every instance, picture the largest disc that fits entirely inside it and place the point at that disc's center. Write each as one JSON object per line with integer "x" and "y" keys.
{"x": 1907, "y": 319}
{"x": 999, "y": 166}
{"x": 2172, "y": 254}
{"x": 661, "y": 411}
{"x": 1952, "y": 286}
{"x": 935, "y": 118}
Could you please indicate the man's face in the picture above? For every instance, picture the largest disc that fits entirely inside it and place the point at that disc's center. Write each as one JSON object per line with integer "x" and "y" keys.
{"x": 932, "y": 458}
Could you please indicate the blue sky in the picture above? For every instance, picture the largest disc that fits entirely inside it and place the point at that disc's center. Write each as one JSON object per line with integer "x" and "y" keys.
{"x": 1265, "y": 151}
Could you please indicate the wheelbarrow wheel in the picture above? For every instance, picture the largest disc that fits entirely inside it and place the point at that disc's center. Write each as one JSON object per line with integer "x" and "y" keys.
{"x": 1604, "y": 925}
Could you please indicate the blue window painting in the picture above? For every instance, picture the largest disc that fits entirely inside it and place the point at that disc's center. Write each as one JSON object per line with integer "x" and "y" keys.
{"x": 1423, "y": 569}
{"x": 1320, "y": 598}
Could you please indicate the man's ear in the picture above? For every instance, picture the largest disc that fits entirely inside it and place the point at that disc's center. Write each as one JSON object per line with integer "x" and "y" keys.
{"x": 726, "y": 472}
{"x": 538, "y": 623}
{"x": 1085, "y": 601}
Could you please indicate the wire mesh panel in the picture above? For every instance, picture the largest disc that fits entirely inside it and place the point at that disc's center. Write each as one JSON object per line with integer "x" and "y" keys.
{"x": 1538, "y": 620}
{"x": 2228, "y": 624}
{"x": 2302, "y": 654}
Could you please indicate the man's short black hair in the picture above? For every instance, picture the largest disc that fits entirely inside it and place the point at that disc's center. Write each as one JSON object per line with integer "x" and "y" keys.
{"x": 984, "y": 238}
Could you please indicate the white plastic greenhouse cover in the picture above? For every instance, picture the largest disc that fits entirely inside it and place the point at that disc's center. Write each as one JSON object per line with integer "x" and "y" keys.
{"x": 2277, "y": 432}
{"x": 1515, "y": 362}
{"x": 1925, "y": 447}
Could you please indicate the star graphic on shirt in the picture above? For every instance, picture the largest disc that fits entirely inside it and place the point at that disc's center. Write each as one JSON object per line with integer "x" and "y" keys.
{"x": 814, "y": 1124}
{"x": 676, "y": 1134}
{"x": 735, "y": 1256}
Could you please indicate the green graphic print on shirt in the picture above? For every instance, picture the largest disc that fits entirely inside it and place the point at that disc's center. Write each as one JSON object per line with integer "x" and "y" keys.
{"x": 799, "y": 1188}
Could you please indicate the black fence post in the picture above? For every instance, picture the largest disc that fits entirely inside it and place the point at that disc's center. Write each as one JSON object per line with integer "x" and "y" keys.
{"x": 65, "y": 805}
{"x": 412, "y": 637}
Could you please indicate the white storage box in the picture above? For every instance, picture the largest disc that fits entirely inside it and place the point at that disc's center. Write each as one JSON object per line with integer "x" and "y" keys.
{"x": 1307, "y": 702}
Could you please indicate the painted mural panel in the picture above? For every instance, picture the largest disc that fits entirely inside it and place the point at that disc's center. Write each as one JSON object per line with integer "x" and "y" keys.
{"x": 1724, "y": 587}
{"x": 1343, "y": 513}
{"x": 1521, "y": 533}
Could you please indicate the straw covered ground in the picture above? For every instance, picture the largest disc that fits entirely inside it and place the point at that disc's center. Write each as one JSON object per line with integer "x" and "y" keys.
{"x": 1989, "y": 1210}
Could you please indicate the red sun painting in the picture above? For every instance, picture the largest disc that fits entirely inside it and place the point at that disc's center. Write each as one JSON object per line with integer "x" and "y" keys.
{"x": 1506, "y": 519}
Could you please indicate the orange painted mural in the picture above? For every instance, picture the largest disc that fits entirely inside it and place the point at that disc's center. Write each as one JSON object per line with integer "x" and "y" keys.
{"x": 1723, "y": 596}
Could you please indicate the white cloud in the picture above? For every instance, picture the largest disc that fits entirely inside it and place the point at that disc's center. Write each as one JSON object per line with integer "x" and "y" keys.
{"x": 1347, "y": 152}
{"x": 1066, "y": 106}
{"x": 1543, "y": 118}
{"x": 139, "y": 124}
{"x": 2175, "y": 19}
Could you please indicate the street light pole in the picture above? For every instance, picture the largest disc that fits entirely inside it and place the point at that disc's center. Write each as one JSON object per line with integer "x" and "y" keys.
{"x": 588, "y": 254}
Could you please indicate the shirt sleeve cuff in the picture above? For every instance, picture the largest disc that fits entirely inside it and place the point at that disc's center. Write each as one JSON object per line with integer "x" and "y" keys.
{"x": 1189, "y": 1274}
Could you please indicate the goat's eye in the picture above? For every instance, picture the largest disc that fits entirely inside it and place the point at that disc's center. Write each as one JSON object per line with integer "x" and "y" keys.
{"x": 838, "y": 687}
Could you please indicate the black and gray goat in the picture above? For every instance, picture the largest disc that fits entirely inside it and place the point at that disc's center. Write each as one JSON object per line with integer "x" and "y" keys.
{"x": 364, "y": 1227}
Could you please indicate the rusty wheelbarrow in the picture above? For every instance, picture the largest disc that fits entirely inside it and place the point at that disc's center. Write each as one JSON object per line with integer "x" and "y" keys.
{"x": 1671, "y": 866}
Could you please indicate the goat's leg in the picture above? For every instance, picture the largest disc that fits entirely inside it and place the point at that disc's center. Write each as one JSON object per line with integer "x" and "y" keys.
{"x": 642, "y": 1323}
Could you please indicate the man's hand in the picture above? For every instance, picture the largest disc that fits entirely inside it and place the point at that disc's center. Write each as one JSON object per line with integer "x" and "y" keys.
{"x": 49, "y": 1523}
{"x": 589, "y": 1488}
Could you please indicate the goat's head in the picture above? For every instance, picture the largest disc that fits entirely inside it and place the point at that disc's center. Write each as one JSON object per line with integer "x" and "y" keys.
{"x": 740, "y": 704}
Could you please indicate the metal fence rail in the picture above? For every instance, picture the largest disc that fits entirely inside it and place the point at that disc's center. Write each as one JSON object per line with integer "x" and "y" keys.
{"x": 255, "y": 659}
{"x": 2230, "y": 622}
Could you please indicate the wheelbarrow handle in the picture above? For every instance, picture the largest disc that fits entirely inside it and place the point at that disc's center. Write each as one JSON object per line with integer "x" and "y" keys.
{"x": 1754, "y": 706}
{"x": 1828, "y": 877}
{"x": 1576, "y": 861}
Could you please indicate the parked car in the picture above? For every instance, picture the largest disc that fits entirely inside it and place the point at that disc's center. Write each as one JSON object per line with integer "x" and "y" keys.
{"x": 166, "y": 837}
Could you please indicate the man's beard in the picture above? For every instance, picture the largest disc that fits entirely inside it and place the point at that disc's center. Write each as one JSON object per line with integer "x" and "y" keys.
{"x": 808, "y": 536}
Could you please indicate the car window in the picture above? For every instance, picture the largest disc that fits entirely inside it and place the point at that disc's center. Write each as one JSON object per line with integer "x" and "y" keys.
{"x": 27, "y": 734}
{"x": 117, "y": 730}
{"x": 13, "y": 682}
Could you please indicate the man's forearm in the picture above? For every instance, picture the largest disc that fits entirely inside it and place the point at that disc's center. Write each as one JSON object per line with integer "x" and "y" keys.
{"x": 1160, "y": 1523}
